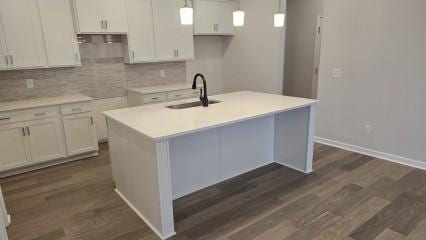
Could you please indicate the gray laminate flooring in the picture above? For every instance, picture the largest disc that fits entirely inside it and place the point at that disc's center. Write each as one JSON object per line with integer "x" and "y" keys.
{"x": 349, "y": 196}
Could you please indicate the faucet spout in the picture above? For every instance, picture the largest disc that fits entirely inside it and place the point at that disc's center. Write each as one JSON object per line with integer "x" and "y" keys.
{"x": 203, "y": 92}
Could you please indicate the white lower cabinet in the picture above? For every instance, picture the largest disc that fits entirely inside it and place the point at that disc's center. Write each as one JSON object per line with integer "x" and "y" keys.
{"x": 46, "y": 139}
{"x": 80, "y": 133}
{"x": 13, "y": 146}
{"x": 33, "y": 136}
{"x": 31, "y": 142}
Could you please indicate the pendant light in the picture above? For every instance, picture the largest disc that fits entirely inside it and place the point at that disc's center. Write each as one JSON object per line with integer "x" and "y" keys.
{"x": 238, "y": 17}
{"x": 279, "y": 17}
{"x": 186, "y": 14}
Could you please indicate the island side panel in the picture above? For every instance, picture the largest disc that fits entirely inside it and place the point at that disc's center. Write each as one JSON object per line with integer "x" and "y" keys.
{"x": 141, "y": 172}
{"x": 195, "y": 161}
{"x": 246, "y": 145}
{"x": 293, "y": 139}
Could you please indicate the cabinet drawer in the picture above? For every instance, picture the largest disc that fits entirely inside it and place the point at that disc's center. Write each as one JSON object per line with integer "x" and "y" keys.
{"x": 153, "y": 98}
{"x": 182, "y": 94}
{"x": 76, "y": 108}
{"x": 28, "y": 114}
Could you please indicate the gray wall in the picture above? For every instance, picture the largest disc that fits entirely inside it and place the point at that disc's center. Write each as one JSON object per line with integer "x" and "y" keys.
{"x": 380, "y": 46}
{"x": 300, "y": 46}
{"x": 253, "y": 58}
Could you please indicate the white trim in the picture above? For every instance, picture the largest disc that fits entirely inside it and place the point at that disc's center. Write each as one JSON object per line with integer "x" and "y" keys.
{"x": 373, "y": 153}
{"x": 147, "y": 222}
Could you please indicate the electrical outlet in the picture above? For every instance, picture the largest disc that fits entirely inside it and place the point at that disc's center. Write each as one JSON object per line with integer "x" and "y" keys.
{"x": 336, "y": 73}
{"x": 162, "y": 73}
{"x": 30, "y": 83}
{"x": 368, "y": 129}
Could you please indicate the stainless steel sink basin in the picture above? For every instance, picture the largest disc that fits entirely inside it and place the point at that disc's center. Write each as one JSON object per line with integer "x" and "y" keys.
{"x": 190, "y": 104}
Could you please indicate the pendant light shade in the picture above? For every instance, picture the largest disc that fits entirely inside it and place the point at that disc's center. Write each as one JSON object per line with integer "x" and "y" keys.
{"x": 238, "y": 17}
{"x": 186, "y": 14}
{"x": 279, "y": 17}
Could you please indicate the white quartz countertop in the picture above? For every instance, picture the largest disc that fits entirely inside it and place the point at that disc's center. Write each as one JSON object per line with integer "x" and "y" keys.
{"x": 42, "y": 102}
{"x": 161, "y": 88}
{"x": 158, "y": 122}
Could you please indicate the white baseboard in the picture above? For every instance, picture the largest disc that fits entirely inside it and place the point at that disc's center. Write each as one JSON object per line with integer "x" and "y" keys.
{"x": 155, "y": 230}
{"x": 373, "y": 153}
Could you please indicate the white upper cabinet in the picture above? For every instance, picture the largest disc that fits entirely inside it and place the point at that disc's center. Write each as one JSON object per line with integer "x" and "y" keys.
{"x": 214, "y": 17}
{"x": 173, "y": 40}
{"x": 59, "y": 36}
{"x": 101, "y": 16}
{"x": 21, "y": 38}
{"x": 140, "y": 38}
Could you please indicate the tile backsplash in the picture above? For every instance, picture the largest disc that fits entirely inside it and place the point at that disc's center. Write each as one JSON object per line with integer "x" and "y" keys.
{"x": 102, "y": 75}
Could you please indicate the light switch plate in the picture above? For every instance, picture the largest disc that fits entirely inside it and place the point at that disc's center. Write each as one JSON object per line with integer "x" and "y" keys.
{"x": 336, "y": 73}
{"x": 30, "y": 83}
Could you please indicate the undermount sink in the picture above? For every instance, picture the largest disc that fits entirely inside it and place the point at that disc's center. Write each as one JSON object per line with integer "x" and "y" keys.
{"x": 190, "y": 104}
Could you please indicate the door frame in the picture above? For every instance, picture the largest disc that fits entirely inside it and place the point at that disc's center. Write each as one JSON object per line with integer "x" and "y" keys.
{"x": 317, "y": 56}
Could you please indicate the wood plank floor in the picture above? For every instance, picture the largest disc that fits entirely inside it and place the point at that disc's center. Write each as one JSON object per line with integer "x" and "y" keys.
{"x": 349, "y": 196}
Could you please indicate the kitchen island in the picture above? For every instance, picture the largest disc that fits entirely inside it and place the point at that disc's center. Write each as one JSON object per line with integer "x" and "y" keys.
{"x": 159, "y": 154}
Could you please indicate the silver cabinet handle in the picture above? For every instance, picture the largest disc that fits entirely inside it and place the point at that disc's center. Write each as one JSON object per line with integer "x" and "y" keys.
{"x": 102, "y": 24}
{"x": 7, "y": 60}
{"x": 11, "y": 59}
{"x": 91, "y": 120}
{"x": 106, "y": 24}
{"x": 177, "y": 52}
{"x": 154, "y": 98}
{"x": 28, "y": 131}
{"x": 5, "y": 118}
{"x": 23, "y": 132}
{"x": 39, "y": 114}
{"x": 133, "y": 54}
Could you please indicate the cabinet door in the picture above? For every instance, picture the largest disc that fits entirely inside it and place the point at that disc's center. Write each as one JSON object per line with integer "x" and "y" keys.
{"x": 22, "y": 33}
{"x": 141, "y": 32}
{"x": 114, "y": 13}
{"x": 88, "y": 16}
{"x": 225, "y": 24}
{"x": 60, "y": 39}
{"x": 173, "y": 40}
{"x": 46, "y": 139}
{"x": 3, "y": 53}
{"x": 205, "y": 17}
{"x": 13, "y": 147}
{"x": 80, "y": 133}
{"x": 214, "y": 17}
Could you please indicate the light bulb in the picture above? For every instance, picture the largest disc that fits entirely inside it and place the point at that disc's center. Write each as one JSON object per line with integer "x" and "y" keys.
{"x": 238, "y": 18}
{"x": 279, "y": 19}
